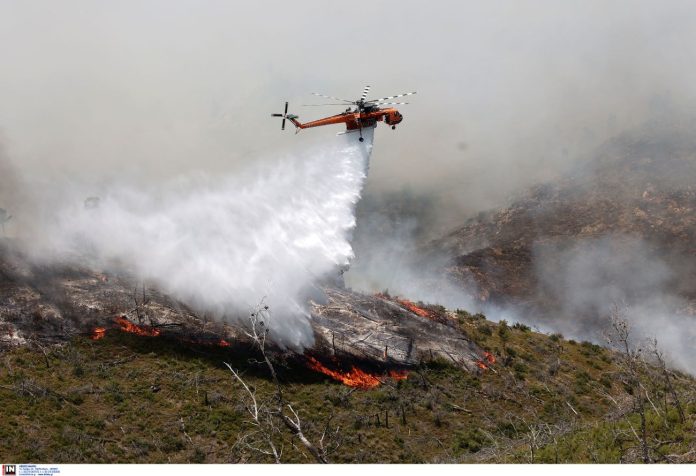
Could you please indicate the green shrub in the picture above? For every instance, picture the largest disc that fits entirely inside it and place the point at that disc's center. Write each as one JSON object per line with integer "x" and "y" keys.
{"x": 503, "y": 329}
{"x": 470, "y": 440}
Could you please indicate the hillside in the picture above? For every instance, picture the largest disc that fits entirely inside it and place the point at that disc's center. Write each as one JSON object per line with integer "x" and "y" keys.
{"x": 127, "y": 398}
{"x": 81, "y": 386}
{"x": 619, "y": 229}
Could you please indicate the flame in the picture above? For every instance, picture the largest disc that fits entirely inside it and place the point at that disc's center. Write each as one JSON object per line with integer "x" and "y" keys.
{"x": 413, "y": 308}
{"x": 489, "y": 360}
{"x": 410, "y": 305}
{"x": 353, "y": 378}
{"x": 398, "y": 374}
{"x": 98, "y": 333}
{"x": 148, "y": 331}
{"x": 128, "y": 326}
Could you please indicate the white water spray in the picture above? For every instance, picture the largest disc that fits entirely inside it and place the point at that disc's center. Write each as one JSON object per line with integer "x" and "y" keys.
{"x": 224, "y": 245}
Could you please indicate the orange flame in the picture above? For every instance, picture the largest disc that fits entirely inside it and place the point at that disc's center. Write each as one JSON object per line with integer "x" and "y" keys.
{"x": 148, "y": 331}
{"x": 489, "y": 360}
{"x": 128, "y": 326}
{"x": 398, "y": 374}
{"x": 413, "y": 308}
{"x": 353, "y": 378}
{"x": 410, "y": 305}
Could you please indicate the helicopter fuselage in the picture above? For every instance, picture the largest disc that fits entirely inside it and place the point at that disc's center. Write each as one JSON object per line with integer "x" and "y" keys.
{"x": 354, "y": 118}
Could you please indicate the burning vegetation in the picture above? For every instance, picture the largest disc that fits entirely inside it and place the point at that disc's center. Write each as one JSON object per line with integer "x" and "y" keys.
{"x": 124, "y": 325}
{"x": 406, "y": 304}
{"x": 146, "y": 331}
{"x": 485, "y": 362}
{"x": 432, "y": 312}
{"x": 355, "y": 377}
{"x": 98, "y": 333}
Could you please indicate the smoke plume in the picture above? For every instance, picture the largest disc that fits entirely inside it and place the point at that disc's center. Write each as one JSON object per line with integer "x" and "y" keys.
{"x": 225, "y": 245}
{"x": 586, "y": 278}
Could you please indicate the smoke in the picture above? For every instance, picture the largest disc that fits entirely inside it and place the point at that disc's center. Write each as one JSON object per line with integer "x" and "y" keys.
{"x": 98, "y": 95}
{"x": 88, "y": 88}
{"x": 224, "y": 245}
{"x": 582, "y": 280}
{"x": 389, "y": 253}
{"x": 14, "y": 198}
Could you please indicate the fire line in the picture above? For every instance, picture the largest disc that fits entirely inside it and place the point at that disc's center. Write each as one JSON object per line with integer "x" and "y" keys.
{"x": 354, "y": 377}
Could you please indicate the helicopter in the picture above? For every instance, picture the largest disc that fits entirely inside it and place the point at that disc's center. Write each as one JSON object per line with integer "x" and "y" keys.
{"x": 360, "y": 114}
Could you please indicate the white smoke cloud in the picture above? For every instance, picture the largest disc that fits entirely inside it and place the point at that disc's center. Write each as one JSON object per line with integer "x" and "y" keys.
{"x": 587, "y": 277}
{"x": 389, "y": 258}
{"x": 224, "y": 244}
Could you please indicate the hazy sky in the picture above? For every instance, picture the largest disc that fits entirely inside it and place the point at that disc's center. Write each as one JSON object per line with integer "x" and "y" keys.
{"x": 508, "y": 92}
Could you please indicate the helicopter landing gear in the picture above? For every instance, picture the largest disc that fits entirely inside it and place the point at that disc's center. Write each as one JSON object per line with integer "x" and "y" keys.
{"x": 361, "y": 139}
{"x": 393, "y": 127}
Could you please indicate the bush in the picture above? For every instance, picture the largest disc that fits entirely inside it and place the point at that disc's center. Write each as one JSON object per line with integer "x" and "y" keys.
{"x": 589, "y": 347}
{"x": 462, "y": 313}
{"x": 582, "y": 379}
{"x": 503, "y": 329}
{"x": 520, "y": 370}
{"x": 78, "y": 370}
{"x": 470, "y": 440}
{"x": 484, "y": 329}
{"x": 521, "y": 327}
{"x": 506, "y": 429}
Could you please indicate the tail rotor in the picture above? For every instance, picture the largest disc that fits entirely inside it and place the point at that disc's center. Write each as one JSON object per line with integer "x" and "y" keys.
{"x": 284, "y": 115}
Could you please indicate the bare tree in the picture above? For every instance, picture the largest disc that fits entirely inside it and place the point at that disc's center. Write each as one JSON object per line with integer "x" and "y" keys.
{"x": 265, "y": 415}
{"x": 141, "y": 310}
{"x": 666, "y": 375}
{"x": 265, "y": 431}
{"x": 631, "y": 365}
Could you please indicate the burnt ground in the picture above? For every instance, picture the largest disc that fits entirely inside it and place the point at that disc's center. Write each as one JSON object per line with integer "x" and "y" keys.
{"x": 55, "y": 302}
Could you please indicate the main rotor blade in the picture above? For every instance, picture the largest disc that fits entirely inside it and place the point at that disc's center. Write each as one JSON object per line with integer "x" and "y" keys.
{"x": 388, "y": 103}
{"x": 391, "y": 97}
{"x": 282, "y": 127}
{"x": 331, "y": 97}
{"x": 276, "y": 115}
{"x": 286, "y": 107}
{"x": 364, "y": 94}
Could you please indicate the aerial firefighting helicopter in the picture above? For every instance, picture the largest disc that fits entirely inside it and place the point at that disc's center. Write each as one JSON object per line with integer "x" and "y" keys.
{"x": 359, "y": 115}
